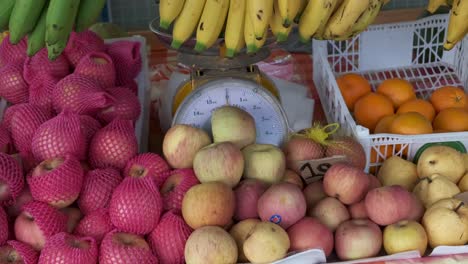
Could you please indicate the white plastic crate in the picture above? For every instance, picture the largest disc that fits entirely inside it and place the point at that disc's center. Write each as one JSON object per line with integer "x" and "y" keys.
{"x": 411, "y": 51}
{"x": 144, "y": 85}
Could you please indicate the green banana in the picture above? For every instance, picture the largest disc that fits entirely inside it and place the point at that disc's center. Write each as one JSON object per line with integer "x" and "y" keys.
{"x": 23, "y": 18}
{"x": 88, "y": 13}
{"x": 36, "y": 39}
{"x": 60, "y": 20}
{"x": 6, "y": 7}
{"x": 54, "y": 50}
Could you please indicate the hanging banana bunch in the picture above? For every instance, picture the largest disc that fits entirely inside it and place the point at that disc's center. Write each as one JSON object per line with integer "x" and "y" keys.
{"x": 458, "y": 21}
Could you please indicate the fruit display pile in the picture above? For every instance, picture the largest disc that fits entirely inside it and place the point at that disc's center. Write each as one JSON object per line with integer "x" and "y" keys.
{"x": 247, "y": 23}
{"x": 395, "y": 108}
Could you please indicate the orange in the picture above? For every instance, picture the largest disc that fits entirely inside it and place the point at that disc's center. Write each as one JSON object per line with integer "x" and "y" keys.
{"x": 411, "y": 123}
{"x": 383, "y": 126}
{"x": 421, "y": 106}
{"x": 447, "y": 97}
{"x": 370, "y": 108}
{"x": 451, "y": 119}
{"x": 353, "y": 86}
{"x": 398, "y": 90}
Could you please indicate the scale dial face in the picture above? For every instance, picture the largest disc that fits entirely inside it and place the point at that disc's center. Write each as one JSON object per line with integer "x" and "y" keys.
{"x": 270, "y": 118}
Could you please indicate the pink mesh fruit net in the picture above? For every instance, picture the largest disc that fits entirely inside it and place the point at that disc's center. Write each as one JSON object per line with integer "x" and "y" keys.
{"x": 70, "y": 249}
{"x": 50, "y": 220}
{"x": 149, "y": 164}
{"x": 12, "y": 54}
{"x": 113, "y": 145}
{"x": 132, "y": 85}
{"x": 59, "y": 136}
{"x": 3, "y": 226}
{"x": 28, "y": 161}
{"x": 96, "y": 225}
{"x": 11, "y": 174}
{"x": 173, "y": 190}
{"x": 8, "y": 115}
{"x": 97, "y": 189}
{"x": 81, "y": 44}
{"x": 99, "y": 67}
{"x": 168, "y": 239}
{"x": 114, "y": 250}
{"x": 12, "y": 85}
{"x": 56, "y": 181}
{"x": 136, "y": 205}
{"x": 89, "y": 126}
{"x": 39, "y": 65}
{"x": 40, "y": 91}
{"x": 127, "y": 59}
{"x": 4, "y": 138}
{"x": 80, "y": 95}
{"x": 24, "y": 123}
{"x": 126, "y": 106}
{"x": 27, "y": 253}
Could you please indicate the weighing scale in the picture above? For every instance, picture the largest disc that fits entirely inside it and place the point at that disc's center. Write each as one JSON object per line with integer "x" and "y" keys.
{"x": 278, "y": 107}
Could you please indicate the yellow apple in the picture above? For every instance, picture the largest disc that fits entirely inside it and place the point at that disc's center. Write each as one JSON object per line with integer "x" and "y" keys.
{"x": 240, "y": 232}
{"x": 441, "y": 160}
{"x": 397, "y": 171}
{"x": 229, "y": 123}
{"x": 434, "y": 188}
{"x": 404, "y": 236}
{"x": 264, "y": 162}
{"x": 463, "y": 183}
{"x": 465, "y": 160}
{"x": 267, "y": 242}
{"x": 446, "y": 223}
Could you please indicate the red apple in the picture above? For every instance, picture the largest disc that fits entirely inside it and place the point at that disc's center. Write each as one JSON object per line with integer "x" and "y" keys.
{"x": 27, "y": 231}
{"x": 11, "y": 179}
{"x": 314, "y": 193}
{"x": 374, "y": 182}
{"x": 15, "y": 252}
{"x": 24, "y": 197}
{"x": 66, "y": 248}
{"x": 294, "y": 178}
{"x": 350, "y": 148}
{"x": 4, "y": 191}
{"x": 120, "y": 247}
{"x": 388, "y": 205}
{"x": 74, "y": 216}
{"x": 417, "y": 209}
{"x": 346, "y": 183}
{"x": 95, "y": 224}
{"x": 150, "y": 164}
{"x": 283, "y": 204}
{"x": 309, "y": 233}
{"x": 247, "y": 194}
{"x": 358, "y": 238}
{"x": 358, "y": 210}
{"x": 176, "y": 185}
{"x": 299, "y": 149}
{"x": 330, "y": 212}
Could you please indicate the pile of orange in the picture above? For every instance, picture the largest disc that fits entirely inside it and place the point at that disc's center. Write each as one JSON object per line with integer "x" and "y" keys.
{"x": 395, "y": 108}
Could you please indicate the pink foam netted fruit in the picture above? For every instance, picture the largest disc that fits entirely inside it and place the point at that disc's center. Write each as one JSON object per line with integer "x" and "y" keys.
{"x": 8, "y": 115}
{"x": 175, "y": 186}
{"x": 49, "y": 219}
{"x": 89, "y": 126}
{"x": 56, "y": 181}
{"x": 3, "y": 226}
{"x": 41, "y": 91}
{"x": 4, "y": 138}
{"x": 70, "y": 249}
{"x": 136, "y": 205}
{"x": 120, "y": 247}
{"x": 96, "y": 225}
{"x": 147, "y": 164}
{"x": 168, "y": 239}
{"x": 80, "y": 95}
{"x": 39, "y": 65}
{"x": 113, "y": 145}
{"x": 132, "y": 85}
{"x": 58, "y": 137}
{"x": 97, "y": 189}
{"x": 25, "y": 121}
{"x": 125, "y": 106}
{"x": 81, "y": 44}
{"x": 99, "y": 67}
{"x": 11, "y": 179}
{"x": 12, "y": 54}
{"x": 12, "y": 85}
{"x": 25, "y": 251}
{"x": 127, "y": 59}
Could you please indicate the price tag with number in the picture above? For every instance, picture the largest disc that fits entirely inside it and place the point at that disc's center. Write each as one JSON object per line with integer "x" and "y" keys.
{"x": 314, "y": 170}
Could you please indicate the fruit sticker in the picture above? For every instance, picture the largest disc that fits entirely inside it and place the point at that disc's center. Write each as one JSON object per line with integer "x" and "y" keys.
{"x": 275, "y": 219}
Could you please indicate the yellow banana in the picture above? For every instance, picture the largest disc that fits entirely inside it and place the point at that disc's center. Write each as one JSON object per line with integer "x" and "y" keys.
{"x": 260, "y": 12}
{"x": 435, "y": 4}
{"x": 302, "y": 6}
{"x": 319, "y": 33}
{"x": 234, "y": 33}
{"x": 458, "y": 24}
{"x": 260, "y": 42}
{"x": 276, "y": 24}
{"x": 368, "y": 17}
{"x": 344, "y": 18}
{"x": 186, "y": 22}
{"x": 317, "y": 13}
{"x": 211, "y": 23}
{"x": 249, "y": 34}
{"x": 169, "y": 10}
{"x": 288, "y": 10}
